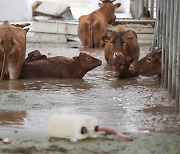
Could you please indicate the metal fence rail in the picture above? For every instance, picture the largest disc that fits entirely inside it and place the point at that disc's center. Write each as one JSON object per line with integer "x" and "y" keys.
{"x": 143, "y": 8}
{"x": 167, "y": 37}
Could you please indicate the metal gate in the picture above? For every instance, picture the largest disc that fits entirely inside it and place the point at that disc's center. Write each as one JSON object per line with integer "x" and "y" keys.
{"x": 167, "y": 37}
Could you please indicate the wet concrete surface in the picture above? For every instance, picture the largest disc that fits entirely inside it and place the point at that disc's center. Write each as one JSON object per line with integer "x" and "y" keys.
{"x": 138, "y": 106}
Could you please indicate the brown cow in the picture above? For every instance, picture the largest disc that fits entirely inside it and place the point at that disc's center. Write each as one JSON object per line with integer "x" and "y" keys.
{"x": 60, "y": 67}
{"x": 120, "y": 65}
{"x": 12, "y": 50}
{"x": 150, "y": 65}
{"x": 93, "y": 26}
{"x": 34, "y": 55}
{"x": 122, "y": 41}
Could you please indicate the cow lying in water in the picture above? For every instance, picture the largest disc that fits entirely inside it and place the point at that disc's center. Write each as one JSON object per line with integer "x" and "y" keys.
{"x": 120, "y": 65}
{"x": 34, "y": 55}
{"x": 12, "y": 49}
{"x": 148, "y": 66}
{"x": 93, "y": 26}
{"x": 60, "y": 67}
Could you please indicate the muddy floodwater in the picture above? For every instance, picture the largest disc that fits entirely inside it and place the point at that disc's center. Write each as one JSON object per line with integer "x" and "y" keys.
{"x": 138, "y": 106}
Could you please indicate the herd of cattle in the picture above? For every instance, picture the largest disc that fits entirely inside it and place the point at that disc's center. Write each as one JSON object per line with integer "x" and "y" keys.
{"x": 121, "y": 51}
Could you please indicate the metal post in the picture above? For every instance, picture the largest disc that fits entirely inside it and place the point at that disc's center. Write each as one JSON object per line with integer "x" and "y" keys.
{"x": 152, "y": 9}
{"x": 160, "y": 22}
{"x": 168, "y": 36}
{"x": 155, "y": 42}
{"x": 178, "y": 60}
{"x": 169, "y": 42}
{"x": 165, "y": 54}
{"x": 174, "y": 46}
{"x": 146, "y": 2}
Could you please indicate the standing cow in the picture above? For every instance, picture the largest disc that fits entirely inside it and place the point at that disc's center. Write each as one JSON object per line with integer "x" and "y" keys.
{"x": 12, "y": 50}
{"x": 93, "y": 26}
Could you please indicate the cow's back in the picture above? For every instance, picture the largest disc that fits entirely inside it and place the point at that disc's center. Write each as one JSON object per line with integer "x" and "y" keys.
{"x": 93, "y": 26}
{"x": 90, "y": 30}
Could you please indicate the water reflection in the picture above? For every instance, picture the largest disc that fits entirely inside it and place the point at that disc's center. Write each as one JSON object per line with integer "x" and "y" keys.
{"x": 131, "y": 104}
{"x": 44, "y": 84}
{"x": 12, "y": 117}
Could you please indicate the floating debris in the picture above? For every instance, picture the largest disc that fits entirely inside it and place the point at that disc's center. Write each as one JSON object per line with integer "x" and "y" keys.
{"x": 6, "y": 141}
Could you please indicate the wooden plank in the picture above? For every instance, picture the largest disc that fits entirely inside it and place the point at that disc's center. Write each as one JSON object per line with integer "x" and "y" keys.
{"x": 137, "y": 29}
{"x": 70, "y": 28}
{"x": 47, "y": 37}
{"x": 49, "y": 27}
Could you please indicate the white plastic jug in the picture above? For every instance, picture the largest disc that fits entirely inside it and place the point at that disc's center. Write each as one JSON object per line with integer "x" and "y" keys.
{"x": 72, "y": 126}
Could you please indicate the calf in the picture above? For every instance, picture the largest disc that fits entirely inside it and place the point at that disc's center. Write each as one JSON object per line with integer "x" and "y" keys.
{"x": 12, "y": 50}
{"x": 120, "y": 65}
{"x": 60, "y": 67}
{"x": 93, "y": 26}
{"x": 122, "y": 41}
{"x": 34, "y": 55}
{"x": 150, "y": 65}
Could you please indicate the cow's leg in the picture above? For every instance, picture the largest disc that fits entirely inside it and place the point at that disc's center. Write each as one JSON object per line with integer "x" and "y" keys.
{"x": 15, "y": 65}
{"x": 85, "y": 35}
{"x": 14, "y": 71}
{"x": 97, "y": 34}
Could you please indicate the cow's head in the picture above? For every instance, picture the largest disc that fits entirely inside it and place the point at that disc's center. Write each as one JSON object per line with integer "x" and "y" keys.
{"x": 87, "y": 61}
{"x": 34, "y": 55}
{"x": 109, "y": 9}
{"x": 150, "y": 65}
{"x": 120, "y": 65}
{"x": 118, "y": 41}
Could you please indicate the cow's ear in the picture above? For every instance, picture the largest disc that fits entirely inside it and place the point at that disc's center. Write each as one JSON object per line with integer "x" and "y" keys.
{"x": 105, "y": 38}
{"x": 26, "y": 30}
{"x": 135, "y": 34}
{"x": 43, "y": 57}
{"x": 117, "y": 5}
{"x": 99, "y": 4}
{"x": 159, "y": 51}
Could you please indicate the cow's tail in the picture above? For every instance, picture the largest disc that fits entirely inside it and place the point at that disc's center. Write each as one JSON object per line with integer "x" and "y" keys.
{"x": 91, "y": 31}
{"x": 7, "y": 44}
{"x": 91, "y": 37}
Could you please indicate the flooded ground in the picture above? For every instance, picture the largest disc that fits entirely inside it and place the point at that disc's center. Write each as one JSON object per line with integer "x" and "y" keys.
{"x": 137, "y": 106}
